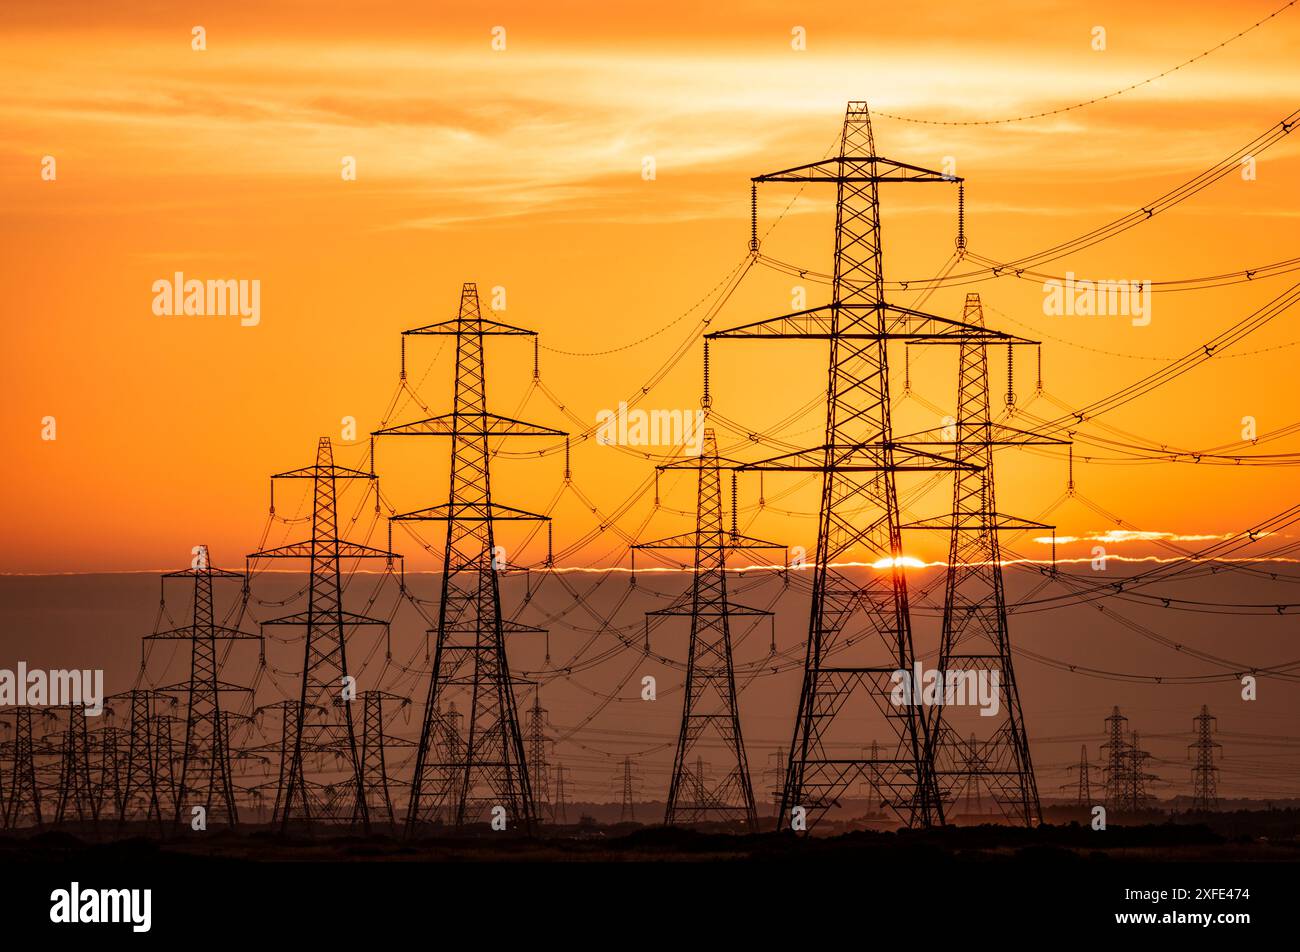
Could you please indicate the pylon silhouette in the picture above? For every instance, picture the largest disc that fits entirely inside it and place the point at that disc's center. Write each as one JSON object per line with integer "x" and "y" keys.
{"x": 140, "y": 789}
{"x": 628, "y": 811}
{"x": 23, "y": 800}
{"x": 1117, "y": 760}
{"x": 844, "y": 690}
{"x": 538, "y": 769}
{"x": 1083, "y": 785}
{"x": 710, "y": 715}
{"x": 374, "y": 764}
{"x": 975, "y": 640}
{"x": 205, "y": 778}
{"x": 322, "y": 720}
{"x": 76, "y": 793}
{"x": 470, "y": 654}
{"x": 1205, "y": 788}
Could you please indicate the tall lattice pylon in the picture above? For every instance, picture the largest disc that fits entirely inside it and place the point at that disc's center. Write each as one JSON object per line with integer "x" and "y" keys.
{"x": 23, "y": 797}
{"x": 1205, "y": 785}
{"x": 323, "y": 722}
{"x": 710, "y": 714}
{"x": 849, "y": 673}
{"x": 1118, "y": 761}
{"x": 375, "y": 743}
{"x": 470, "y": 656}
{"x": 76, "y": 800}
{"x": 539, "y": 773}
{"x": 975, "y": 641}
{"x": 141, "y": 797}
{"x": 205, "y": 775}
{"x": 1137, "y": 797}
{"x": 560, "y": 808}
{"x": 108, "y": 745}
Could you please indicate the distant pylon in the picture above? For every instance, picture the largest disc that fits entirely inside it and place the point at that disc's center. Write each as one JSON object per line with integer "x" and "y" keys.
{"x": 859, "y": 631}
{"x": 323, "y": 720}
{"x": 628, "y": 811}
{"x": 972, "y": 762}
{"x": 1083, "y": 784}
{"x": 374, "y": 762}
{"x": 164, "y": 761}
{"x": 76, "y": 793}
{"x": 1205, "y": 787}
{"x": 560, "y": 810}
{"x": 538, "y": 769}
{"x": 710, "y": 715}
{"x": 1137, "y": 797}
{"x": 975, "y": 641}
{"x": 205, "y": 779}
{"x": 23, "y": 798}
{"x": 140, "y": 793}
{"x": 471, "y": 651}
{"x": 108, "y": 751}
{"x": 1117, "y": 760}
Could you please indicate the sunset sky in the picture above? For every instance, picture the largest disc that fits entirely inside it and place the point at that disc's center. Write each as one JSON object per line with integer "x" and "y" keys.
{"x": 522, "y": 168}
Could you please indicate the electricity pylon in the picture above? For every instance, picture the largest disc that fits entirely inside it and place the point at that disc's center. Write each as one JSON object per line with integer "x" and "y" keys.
{"x": 205, "y": 779}
{"x": 164, "y": 759}
{"x": 108, "y": 745}
{"x": 1205, "y": 787}
{"x": 1137, "y": 797}
{"x": 140, "y": 792}
{"x": 1117, "y": 760}
{"x": 628, "y": 811}
{"x": 538, "y": 769}
{"x": 470, "y": 652}
{"x": 560, "y": 808}
{"x": 975, "y": 641}
{"x": 76, "y": 793}
{"x": 1083, "y": 785}
{"x": 23, "y": 798}
{"x": 848, "y": 674}
{"x": 710, "y": 715}
{"x": 323, "y": 720}
{"x": 374, "y": 764}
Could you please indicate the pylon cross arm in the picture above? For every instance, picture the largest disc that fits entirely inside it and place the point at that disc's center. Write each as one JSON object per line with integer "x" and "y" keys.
{"x": 857, "y": 169}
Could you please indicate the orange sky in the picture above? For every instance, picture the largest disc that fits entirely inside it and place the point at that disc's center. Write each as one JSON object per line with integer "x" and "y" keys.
{"x": 522, "y": 168}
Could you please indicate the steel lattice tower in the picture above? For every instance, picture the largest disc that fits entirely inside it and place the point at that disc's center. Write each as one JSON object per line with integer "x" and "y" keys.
{"x": 140, "y": 787}
{"x": 323, "y": 719}
{"x": 1117, "y": 759}
{"x": 560, "y": 808}
{"x": 628, "y": 811}
{"x": 975, "y": 637}
{"x": 76, "y": 792}
{"x": 858, "y": 460}
{"x": 23, "y": 798}
{"x": 538, "y": 767}
{"x": 470, "y": 649}
{"x": 1205, "y": 787}
{"x": 374, "y": 765}
{"x": 709, "y": 710}
{"x": 1136, "y": 796}
{"x": 205, "y": 778}
{"x": 108, "y": 744}
{"x": 164, "y": 759}
{"x": 1083, "y": 786}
